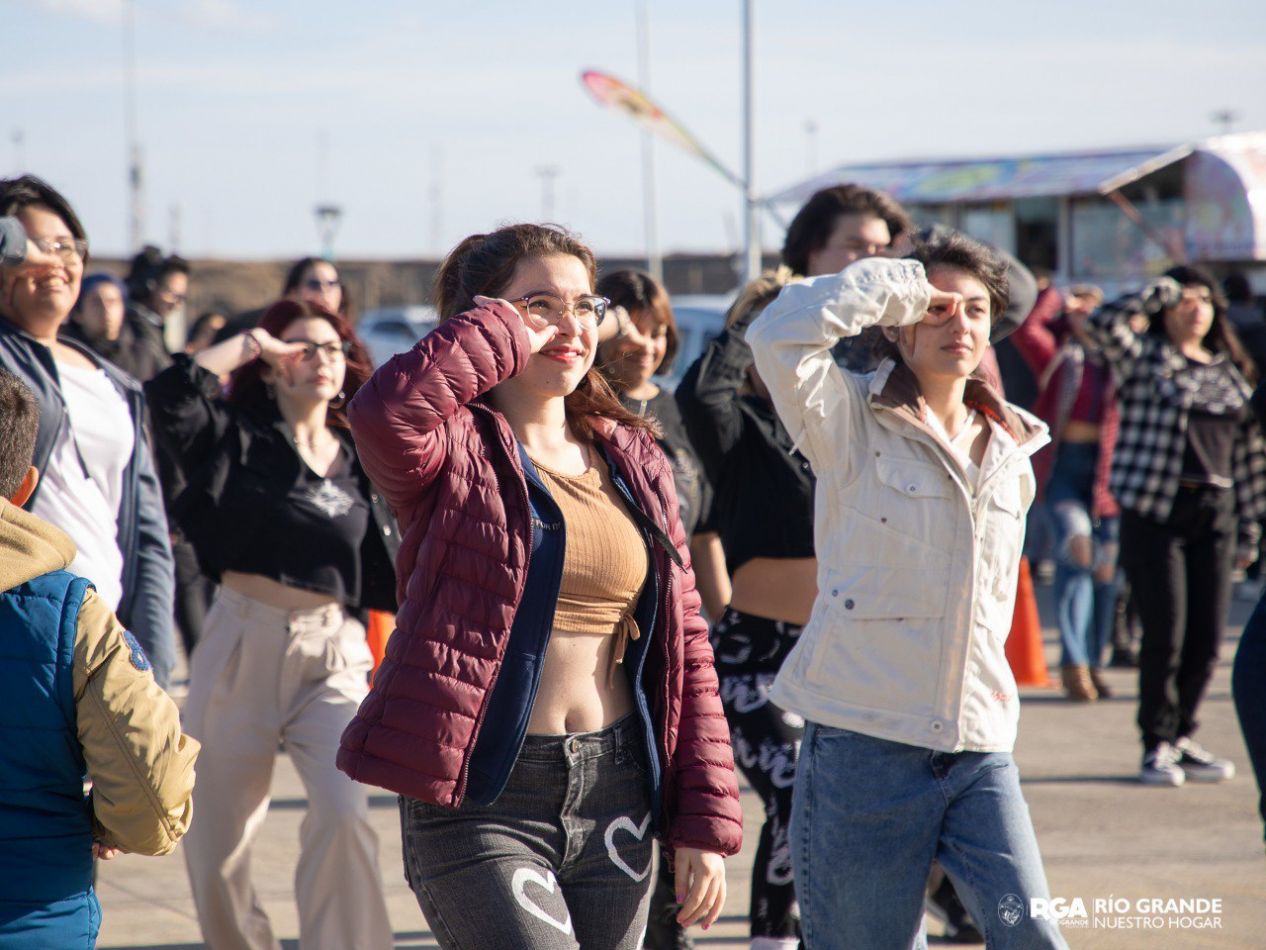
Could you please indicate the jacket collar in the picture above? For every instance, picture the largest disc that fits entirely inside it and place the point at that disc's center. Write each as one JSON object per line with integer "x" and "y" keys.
{"x": 895, "y": 387}
{"x": 123, "y": 381}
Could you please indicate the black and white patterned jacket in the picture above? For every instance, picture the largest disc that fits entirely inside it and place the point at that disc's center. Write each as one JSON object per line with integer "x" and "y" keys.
{"x": 1155, "y": 399}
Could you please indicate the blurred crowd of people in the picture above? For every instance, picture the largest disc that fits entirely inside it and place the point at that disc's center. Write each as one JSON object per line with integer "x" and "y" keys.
{"x": 609, "y": 596}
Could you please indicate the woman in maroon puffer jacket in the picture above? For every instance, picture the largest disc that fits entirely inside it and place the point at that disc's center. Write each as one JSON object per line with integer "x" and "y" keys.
{"x": 549, "y": 697}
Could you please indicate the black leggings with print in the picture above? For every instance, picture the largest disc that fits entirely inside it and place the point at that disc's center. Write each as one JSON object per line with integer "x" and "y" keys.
{"x": 749, "y": 650}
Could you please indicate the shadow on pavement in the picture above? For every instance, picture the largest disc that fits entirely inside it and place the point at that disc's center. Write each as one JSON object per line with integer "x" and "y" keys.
{"x": 300, "y": 804}
{"x": 1131, "y": 778}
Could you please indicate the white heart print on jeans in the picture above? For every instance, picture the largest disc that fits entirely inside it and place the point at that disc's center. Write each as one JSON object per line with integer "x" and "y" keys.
{"x": 637, "y": 831}
{"x": 524, "y": 876}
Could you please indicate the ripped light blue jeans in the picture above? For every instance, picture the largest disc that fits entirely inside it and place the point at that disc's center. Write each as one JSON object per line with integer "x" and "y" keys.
{"x": 1085, "y": 558}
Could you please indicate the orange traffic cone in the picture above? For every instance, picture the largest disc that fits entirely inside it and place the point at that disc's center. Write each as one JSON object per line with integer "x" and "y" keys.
{"x": 377, "y": 632}
{"x": 1024, "y": 645}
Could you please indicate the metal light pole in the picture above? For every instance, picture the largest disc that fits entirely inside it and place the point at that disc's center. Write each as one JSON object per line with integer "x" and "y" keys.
{"x": 811, "y": 147}
{"x": 547, "y": 174}
{"x": 654, "y": 260}
{"x": 751, "y": 221}
{"x": 136, "y": 204}
{"x": 327, "y": 218}
{"x": 436, "y": 195}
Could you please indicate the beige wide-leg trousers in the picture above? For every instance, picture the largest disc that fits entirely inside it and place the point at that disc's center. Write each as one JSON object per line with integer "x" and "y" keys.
{"x": 259, "y": 676}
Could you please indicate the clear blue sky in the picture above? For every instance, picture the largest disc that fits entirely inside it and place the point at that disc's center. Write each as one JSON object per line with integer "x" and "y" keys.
{"x": 236, "y": 97}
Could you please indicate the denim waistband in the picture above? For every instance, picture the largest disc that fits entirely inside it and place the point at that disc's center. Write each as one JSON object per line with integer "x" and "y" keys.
{"x": 621, "y": 734}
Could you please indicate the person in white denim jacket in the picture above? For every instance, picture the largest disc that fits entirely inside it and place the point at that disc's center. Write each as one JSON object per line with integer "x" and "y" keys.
{"x": 923, "y": 482}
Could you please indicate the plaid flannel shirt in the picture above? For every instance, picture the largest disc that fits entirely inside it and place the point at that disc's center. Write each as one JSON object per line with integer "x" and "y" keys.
{"x": 1155, "y": 407}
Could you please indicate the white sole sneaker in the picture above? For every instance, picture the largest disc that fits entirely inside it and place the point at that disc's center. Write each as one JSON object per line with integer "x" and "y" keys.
{"x": 1209, "y": 774}
{"x": 1163, "y": 778}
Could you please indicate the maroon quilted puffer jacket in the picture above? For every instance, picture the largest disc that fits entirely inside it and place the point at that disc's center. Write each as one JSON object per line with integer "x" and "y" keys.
{"x": 448, "y": 464}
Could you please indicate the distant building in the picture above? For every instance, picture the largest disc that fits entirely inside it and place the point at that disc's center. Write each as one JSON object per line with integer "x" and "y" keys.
{"x": 1107, "y": 216}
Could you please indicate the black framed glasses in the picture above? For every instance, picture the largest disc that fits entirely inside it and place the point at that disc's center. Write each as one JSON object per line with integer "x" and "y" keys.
{"x": 317, "y": 284}
{"x": 334, "y": 350}
{"x": 588, "y": 309}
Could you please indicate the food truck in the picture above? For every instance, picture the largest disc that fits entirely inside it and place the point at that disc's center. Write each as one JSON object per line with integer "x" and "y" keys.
{"x": 1110, "y": 217}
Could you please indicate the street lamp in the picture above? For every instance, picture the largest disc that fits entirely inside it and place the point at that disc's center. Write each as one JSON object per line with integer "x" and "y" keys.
{"x": 751, "y": 205}
{"x": 1225, "y": 118}
{"x": 327, "y": 219}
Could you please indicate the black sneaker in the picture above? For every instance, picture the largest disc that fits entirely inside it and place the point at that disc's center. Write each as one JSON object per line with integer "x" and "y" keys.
{"x": 1160, "y": 767}
{"x": 1201, "y": 765}
{"x": 1124, "y": 658}
{"x": 944, "y": 905}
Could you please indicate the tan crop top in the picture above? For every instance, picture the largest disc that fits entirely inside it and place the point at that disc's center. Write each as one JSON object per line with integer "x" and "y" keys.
{"x": 605, "y": 560}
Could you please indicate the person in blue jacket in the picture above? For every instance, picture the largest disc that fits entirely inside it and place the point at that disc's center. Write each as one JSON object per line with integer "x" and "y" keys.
{"x": 76, "y": 698}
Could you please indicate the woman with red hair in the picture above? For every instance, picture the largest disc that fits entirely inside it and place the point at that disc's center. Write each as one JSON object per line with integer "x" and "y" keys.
{"x": 282, "y": 515}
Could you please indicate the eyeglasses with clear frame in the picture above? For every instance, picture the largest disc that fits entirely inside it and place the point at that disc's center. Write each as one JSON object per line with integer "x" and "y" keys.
{"x": 588, "y": 309}
{"x": 70, "y": 250}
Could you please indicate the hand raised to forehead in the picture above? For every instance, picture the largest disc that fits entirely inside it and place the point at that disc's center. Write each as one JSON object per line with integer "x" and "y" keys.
{"x": 276, "y": 353}
{"x": 539, "y": 330}
{"x": 942, "y": 307}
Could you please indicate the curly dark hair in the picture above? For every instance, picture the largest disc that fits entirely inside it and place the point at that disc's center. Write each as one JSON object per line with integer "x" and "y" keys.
{"x": 811, "y": 228}
{"x": 247, "y": 388}
{"x": 944, "y": 247}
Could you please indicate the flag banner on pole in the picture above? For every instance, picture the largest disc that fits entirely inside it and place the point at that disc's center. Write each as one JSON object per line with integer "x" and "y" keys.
{"x": 617, "y": 94}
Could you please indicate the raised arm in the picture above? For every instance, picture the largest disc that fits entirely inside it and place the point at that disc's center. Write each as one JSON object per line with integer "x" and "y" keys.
{"x": 398, "y": 416}
{"x": 792, "y": 343}
{"x": 1109, "y": 326}
{"x": 708, "y": 396}
{"x": 188, "y": 415}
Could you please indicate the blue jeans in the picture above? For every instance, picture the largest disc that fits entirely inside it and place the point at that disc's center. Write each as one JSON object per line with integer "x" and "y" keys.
{"x": 1085, "y": 580}
{"x": 1248, "y": 686}
{"x": 869, "y": 818}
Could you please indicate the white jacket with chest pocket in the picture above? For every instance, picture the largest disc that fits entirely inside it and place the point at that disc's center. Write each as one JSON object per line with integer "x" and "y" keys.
{"x": 916, "y": 572}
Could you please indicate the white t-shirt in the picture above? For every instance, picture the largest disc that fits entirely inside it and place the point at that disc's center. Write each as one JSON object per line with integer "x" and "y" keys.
{"x": 82, "y": 497}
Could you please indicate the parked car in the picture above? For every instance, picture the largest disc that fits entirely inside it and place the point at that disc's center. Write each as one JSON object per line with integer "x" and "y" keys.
{"x": 391, "y": 330}
{"x": 700, "y": 317}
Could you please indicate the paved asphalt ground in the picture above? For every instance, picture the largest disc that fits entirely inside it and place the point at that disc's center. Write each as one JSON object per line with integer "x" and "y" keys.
{"x": 1103, "y": 836}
